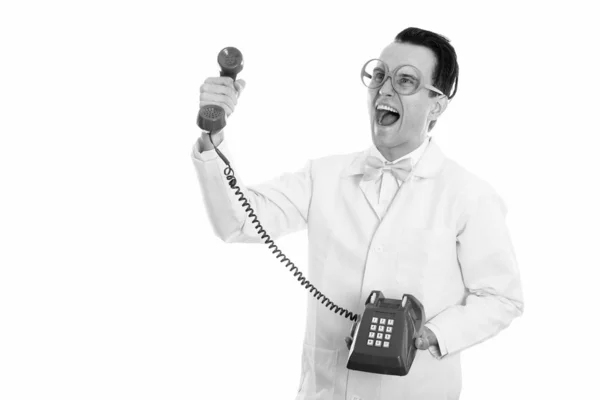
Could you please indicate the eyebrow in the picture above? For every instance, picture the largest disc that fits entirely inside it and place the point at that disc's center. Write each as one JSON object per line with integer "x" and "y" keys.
{"x": 409, "y": 75}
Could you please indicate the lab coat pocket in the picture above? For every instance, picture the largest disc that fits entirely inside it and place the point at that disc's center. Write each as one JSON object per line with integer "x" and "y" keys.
{"x": 318, "y": 373}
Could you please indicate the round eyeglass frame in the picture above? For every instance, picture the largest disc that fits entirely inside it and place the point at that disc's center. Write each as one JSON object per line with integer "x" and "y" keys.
{"x": 421, "y": 85}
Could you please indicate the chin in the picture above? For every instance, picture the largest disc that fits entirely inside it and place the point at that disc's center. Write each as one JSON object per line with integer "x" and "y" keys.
{"x": 387, "y": 136}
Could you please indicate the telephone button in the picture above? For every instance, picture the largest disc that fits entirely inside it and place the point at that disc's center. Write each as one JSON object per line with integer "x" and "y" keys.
{"x": 388, "y": 336}
{"x": 380, "y": 336}
{"x": 386, "y": 344}
{"x": 388, "y": 329}
{"x": 378, "y": 343}
{"x": 372, "y": 335}
{"x": 381, "y": 328}
{"x": 373, "y": 327}
{"x": 374, "y": 320}
{"x": 370, "y": 342}
{"x": 390, "y": 321}
{"x": 382, "y": 321}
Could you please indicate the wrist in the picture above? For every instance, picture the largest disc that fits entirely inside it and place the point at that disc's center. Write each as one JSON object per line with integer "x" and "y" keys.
{"x": 205, "y": 143}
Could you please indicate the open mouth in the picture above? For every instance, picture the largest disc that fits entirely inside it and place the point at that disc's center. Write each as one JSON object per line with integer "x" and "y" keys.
{"x": 386, "y": 115}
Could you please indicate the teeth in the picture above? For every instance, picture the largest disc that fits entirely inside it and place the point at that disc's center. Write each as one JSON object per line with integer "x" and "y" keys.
{"x": 388, "y": 108}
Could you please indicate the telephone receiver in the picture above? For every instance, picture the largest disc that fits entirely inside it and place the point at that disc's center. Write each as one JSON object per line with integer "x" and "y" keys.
{"x": 383, "y": 338}
{"x": 212, "y": 118}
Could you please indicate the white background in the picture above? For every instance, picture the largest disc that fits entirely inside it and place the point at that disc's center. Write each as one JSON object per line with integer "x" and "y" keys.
{"x": 112, "y": 283}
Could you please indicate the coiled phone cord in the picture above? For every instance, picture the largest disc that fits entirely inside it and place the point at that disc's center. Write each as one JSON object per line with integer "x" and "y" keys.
{"x": 232, "y": 182}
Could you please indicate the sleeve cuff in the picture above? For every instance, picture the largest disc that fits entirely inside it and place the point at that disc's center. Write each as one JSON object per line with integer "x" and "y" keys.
{"x": 440, "y": 350}
{"x": 208, "y": 155}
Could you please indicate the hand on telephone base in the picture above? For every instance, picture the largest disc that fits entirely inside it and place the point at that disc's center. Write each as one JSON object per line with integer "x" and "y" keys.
{"x": 426, "y": 340}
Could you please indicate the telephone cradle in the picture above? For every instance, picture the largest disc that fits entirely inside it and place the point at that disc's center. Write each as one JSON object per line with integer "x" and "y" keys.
{"x": 383, "y": 338}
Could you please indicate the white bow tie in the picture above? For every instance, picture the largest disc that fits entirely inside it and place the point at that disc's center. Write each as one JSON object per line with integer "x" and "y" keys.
{"x": 374, "y": 167}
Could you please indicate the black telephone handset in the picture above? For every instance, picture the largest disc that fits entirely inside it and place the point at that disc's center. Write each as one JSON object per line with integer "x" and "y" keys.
{"x": 387, "y": 349}
{"x": 212, "y": 118}
{"x": 383, "y": 338}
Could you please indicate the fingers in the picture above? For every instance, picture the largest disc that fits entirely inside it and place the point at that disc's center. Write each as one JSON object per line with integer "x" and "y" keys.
{"x": 354, "y": 326}
{"x": 235, "y": 88}
{"x": 348, "y": 342}
{"x": 228, "y": 91}
{"x": 240, "y": 85}
{"x": 220, "y": 80}
{"x": 221, "y": 91}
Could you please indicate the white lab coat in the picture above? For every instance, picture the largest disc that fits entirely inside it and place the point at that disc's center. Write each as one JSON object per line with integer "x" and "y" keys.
{"x": 443, "y": 239}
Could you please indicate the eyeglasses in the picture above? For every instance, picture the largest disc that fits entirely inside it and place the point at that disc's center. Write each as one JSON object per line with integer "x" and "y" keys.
{"x": 406, "y": 79}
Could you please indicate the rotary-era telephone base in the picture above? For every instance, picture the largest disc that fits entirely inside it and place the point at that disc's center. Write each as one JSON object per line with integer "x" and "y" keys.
{"x": 383, "y": 338}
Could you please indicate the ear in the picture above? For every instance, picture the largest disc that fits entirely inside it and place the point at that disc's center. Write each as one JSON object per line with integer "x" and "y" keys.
{"x": 439, "y": 106}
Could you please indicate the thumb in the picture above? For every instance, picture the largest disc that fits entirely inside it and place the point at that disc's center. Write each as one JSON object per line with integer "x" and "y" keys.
{"x": 422, "y": 343}
{"x": 240, "y": 85}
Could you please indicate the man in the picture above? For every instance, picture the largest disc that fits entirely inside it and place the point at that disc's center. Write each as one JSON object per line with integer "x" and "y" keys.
{"x": 399, "y": 217}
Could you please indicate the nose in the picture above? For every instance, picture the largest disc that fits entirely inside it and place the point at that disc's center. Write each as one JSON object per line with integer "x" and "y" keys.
{"x": 387, "y": 89}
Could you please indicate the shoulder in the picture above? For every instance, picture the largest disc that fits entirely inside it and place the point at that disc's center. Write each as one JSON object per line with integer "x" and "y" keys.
{"x": 337, "y": 164}
{"x": 337, "y": 159}
{"x": 470, "y": 193}
{"x": 464, "y": 182}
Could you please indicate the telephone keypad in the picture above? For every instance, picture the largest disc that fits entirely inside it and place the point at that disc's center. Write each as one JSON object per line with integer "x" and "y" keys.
{"x": 381, "y": 330}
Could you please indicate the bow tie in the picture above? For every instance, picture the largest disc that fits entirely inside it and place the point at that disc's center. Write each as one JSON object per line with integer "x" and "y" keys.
{"x": 374, "y": 167}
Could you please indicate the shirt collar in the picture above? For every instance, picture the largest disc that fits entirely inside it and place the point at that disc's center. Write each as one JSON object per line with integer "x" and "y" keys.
{"x": 427, "y": 160}
{"x": 414, "y": 155}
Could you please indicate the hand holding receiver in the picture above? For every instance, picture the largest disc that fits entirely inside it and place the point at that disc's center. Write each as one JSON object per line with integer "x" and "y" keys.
{"x": 221, "y": 91}
{"x": 219, "y": 96}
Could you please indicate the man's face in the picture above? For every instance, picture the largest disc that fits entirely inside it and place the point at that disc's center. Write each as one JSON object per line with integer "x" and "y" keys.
{"x": 409, "y": 129}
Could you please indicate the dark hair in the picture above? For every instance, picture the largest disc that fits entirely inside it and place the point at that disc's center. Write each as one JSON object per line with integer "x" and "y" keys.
{"x": 445, "y": 73}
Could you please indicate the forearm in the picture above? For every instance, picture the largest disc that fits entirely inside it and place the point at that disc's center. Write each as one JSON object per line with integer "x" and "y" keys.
{"x": 277, "y": 204}
{"x": 490, "y": 275}
{"x": 481, "y": 317}
{"x": 225, "y": 216}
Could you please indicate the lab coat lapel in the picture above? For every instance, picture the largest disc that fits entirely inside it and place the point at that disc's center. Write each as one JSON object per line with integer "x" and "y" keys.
{"x": 369, "y": 195}
{"x": 407, "y": 202}
{"x": 356, "y": 168}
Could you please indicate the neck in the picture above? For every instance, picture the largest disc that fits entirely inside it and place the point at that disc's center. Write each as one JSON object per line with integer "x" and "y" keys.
{"x": 396, "y": 152}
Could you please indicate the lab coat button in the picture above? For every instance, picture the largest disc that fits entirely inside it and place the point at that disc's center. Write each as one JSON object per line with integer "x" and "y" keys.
{"x": 379, "y": 249}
